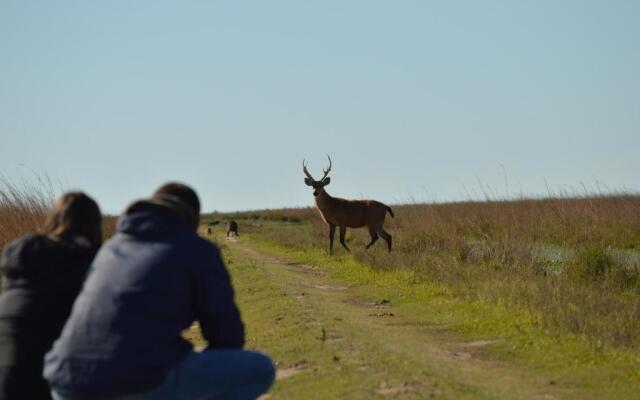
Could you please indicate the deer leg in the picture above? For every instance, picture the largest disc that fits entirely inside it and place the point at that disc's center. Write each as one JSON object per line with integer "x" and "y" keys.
{"x": 374, "y": 237}
{"x": 332, "y": 232}
{"x": 343, "y": 232}
{"x": 385, "y": 235}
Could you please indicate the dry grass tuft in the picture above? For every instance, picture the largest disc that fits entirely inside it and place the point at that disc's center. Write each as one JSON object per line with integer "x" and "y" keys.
{"x": 23, "y": 208}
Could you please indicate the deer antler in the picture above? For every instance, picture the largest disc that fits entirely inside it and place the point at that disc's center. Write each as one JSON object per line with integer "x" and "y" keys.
{"x": 306, "y": 172}
{"x": 326, "y": 171}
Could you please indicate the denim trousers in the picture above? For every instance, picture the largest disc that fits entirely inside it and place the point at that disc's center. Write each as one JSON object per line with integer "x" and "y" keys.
{"x": 208, "y": 375}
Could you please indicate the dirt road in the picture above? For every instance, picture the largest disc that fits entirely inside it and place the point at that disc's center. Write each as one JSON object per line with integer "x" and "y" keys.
{"x": 334, "y": 341}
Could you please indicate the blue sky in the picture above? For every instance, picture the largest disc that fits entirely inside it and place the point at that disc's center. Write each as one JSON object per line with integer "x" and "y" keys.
{"x": 414, "y": 100}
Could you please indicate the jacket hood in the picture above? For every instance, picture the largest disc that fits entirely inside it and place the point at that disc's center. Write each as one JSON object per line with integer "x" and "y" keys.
{"x": 35, "y": 256}
{"x": 146, "y": 217}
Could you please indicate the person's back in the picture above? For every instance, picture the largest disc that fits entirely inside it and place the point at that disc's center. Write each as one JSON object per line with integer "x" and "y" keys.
{"x": 42, "y": 275}
{"x": 147, "y": 284}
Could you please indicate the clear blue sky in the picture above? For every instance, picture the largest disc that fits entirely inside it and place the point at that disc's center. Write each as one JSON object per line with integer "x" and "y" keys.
{"x": 422, "y": 100}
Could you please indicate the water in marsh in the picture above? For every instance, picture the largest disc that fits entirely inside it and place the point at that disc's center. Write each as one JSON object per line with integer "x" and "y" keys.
{"x": 556, "y": 257}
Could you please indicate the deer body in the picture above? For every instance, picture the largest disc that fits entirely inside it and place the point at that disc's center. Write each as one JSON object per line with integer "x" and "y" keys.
{"x": 349, "y": 213}
{"x": 337, "y": 212}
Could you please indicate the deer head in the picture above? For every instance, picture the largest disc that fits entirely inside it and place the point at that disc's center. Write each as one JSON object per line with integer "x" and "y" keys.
{"x": 320, "y": 184}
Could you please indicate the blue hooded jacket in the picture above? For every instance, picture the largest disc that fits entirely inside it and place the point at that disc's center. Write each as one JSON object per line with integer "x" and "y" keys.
{"x": 146, "y": 285}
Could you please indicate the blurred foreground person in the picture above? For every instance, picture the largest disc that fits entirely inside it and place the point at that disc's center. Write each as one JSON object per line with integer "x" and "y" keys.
{"x": 42, "y": 275}
{"x": 147, "y": 284}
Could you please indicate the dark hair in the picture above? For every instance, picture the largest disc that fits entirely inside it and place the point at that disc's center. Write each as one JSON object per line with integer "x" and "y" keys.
{"x": 182, "y": 192}
{"x": 75, "y": 214}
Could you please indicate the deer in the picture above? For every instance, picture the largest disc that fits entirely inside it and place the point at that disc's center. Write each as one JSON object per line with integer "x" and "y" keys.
{"x": 347, "y": 213}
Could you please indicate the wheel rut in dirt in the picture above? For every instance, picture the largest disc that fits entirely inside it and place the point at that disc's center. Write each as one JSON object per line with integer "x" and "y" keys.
{"x": 387, "y": 329}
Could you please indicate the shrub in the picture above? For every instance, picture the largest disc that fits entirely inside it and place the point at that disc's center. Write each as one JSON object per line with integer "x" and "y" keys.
{"x": 595, "y": 263}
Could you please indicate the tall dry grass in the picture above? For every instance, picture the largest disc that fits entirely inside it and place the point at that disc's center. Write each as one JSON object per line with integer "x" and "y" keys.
{"x": 23, "y": 208}
{"x": 574, "y": 261}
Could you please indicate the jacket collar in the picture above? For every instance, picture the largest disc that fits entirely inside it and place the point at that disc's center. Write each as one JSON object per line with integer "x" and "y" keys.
{"x": 150, "y": 217}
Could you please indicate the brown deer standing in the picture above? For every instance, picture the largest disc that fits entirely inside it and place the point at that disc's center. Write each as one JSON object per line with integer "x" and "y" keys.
{"x": 347, "y": 213}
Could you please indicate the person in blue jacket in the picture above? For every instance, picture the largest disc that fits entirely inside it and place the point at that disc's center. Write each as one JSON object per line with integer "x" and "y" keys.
{"x": 148, "y": 283}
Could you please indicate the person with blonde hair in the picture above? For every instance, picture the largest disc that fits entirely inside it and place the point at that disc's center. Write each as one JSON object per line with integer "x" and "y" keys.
{"x": 41, "y": 276}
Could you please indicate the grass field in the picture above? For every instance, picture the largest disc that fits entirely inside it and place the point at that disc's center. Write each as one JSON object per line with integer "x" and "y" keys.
{"x": 339, "y": 328}
{"x": 534, "y": 299}
{"x": 552, "y": 284}
{"x": 574, "y": 263}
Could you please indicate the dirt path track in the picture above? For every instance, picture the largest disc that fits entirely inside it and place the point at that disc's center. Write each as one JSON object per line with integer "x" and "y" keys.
{"x": 401, "y": 355}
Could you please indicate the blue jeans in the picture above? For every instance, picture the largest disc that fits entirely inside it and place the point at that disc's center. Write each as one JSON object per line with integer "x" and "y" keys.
{"x": 209, "y": 375}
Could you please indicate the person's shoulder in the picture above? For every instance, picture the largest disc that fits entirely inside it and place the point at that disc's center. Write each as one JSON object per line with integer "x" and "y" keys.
{"x": 202, "y": 250}
{"x": 76, "y": 247}
{"x": 26, "y": 242}
{"x": 16, "y": 252}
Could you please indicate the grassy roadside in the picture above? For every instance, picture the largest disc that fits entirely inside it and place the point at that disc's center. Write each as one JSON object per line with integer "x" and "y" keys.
{"x": 572, "y": 261}
{"x": 318, "y": 354}
{"x": 569, "y": 361}
{"x": 327, "y": 344}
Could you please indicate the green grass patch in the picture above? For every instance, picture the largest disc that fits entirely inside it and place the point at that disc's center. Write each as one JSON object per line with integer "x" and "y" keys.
{"x": 520, "y": 334}
{"x": 327, "y": 357}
